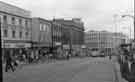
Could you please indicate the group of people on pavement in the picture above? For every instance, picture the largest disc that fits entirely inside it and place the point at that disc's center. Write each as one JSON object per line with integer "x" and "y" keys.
{"x": 14, "y": 59}
{"x": 127, "y": 63}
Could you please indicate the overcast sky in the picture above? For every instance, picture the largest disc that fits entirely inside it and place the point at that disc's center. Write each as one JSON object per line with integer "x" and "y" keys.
{"x": 96, "y": 14}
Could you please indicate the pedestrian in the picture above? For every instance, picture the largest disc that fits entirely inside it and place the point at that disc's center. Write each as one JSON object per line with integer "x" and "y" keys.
{"x": 36, "y": 55}
{"x": 68, "y": 55}
{"x": 15, "y": 61}
{"x": 110, "y": 57}
{"x": 32, "y": 56}
{"x": 8, "y": 62}
{"x": 23, "y": 57}
{"x": 28, "y": 56}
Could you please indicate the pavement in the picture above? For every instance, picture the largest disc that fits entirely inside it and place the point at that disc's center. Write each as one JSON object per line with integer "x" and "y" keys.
{"x": 117, "y": 70}
{"x": 73, "y": 70}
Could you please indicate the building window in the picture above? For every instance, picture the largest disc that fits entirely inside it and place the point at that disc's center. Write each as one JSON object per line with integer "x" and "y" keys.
{"x": 13, "y": 34}
{"x": 20, "y": 34}
{"x": 5, "y": 33}
{"x": 0, "y": 20}
{"x": 45, "y": 27}
{"x": 5, "y": 19}
{"x": 26, "y": 23}
{"x": 20, "y": 21}
{"x": 26, "y": 34}
{"x": 13, "y": 20}
{"x": 41, "y": 27}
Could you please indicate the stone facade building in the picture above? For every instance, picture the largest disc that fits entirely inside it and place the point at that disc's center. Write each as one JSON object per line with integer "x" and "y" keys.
{"x": 15, "y": 27}
{"x": 103, "y": 40}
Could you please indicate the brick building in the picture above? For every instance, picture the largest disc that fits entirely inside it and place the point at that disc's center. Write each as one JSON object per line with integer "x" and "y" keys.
{"x": 41, "y": 34}
{"x": 72, "y": 33}
{"x": 56, "y": 33}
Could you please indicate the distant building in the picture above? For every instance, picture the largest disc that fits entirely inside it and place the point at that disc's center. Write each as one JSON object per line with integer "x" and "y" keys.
{"x": 72, "y": 32}
{"x": 41, "y": 34}
{"x": 103, "y": 39}
{"x": 15, "y": 27}
{"x": 56, "y": 30}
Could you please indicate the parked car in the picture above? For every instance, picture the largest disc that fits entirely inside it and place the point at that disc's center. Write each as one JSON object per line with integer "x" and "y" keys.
{"x": 95, "y": 53}
{"x": 102, "y": 54}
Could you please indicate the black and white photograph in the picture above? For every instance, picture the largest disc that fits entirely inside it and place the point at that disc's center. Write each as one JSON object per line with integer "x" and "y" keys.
{"x": 67, "y": 41}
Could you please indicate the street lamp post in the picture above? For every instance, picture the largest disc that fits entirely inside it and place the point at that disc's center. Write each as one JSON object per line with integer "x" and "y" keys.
{"x": 1, "y": 52}
{"x": 132, "y": 51}
{"x": 123, "y": 16}
{"x": 52, "y": 27}
{"x": 133, "y": 21}
{"x": 114, "y": 38}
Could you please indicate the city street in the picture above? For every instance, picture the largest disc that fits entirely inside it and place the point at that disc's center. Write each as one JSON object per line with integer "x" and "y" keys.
{"x": 74, "y": 70}
{"x": 67, "y": 41}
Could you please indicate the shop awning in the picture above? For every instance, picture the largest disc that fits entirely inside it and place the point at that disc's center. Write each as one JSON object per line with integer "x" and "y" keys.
{"x": 41, "y": 45}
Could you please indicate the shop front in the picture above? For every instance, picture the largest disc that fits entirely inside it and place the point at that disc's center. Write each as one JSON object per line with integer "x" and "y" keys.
{"x": 14, "y": 48}
{"x": 66, "y": 47}
{"x": 41, "y": 48}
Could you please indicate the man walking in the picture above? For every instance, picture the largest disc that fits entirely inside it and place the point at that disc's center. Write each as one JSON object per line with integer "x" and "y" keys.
{"x": 8, "y": 62}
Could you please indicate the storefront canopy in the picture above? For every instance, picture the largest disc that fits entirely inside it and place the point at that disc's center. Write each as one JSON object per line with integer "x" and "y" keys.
{"x": 125, "y": 45}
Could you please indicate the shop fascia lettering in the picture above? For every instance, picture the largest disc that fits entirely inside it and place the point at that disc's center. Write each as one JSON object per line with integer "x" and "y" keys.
{"x": 12, "y": 45}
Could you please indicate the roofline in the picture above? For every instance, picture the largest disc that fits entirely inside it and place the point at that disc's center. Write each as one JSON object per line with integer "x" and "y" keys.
{"x": 15, "y": 6}
{"x": 16, "y": 15}
{"x": 39, "y": 18}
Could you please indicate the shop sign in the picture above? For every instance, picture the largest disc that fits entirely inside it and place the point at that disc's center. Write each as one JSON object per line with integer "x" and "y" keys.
{"x": 28, "y": 45}
{"x": 66, "y": 46}
{"x": 58, "y": 43}
{"x": 12, "y": 45}
{"x": 8, "y": 46}
{"x": 22, "y": 45}
{"x": 83, "y": 46}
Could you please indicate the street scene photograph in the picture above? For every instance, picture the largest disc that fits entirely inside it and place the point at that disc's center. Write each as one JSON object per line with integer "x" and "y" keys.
{"x": 67, "y": 40}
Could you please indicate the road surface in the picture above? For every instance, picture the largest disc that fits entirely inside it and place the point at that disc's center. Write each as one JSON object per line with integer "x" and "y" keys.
{"x": 74, "y": 70}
